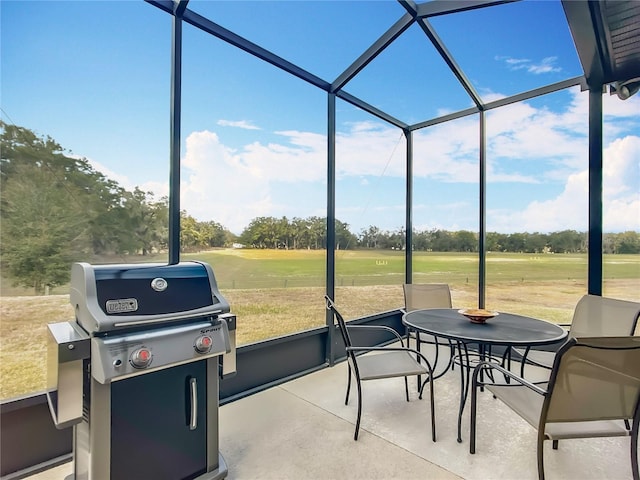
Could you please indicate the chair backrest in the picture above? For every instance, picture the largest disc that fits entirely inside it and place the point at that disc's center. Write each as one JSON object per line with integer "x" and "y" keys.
{"x": 595, "y": 378}
{"x": 341, "y": 323}
{"x": 596, "y": 316}
{"x": 426, "y": 295}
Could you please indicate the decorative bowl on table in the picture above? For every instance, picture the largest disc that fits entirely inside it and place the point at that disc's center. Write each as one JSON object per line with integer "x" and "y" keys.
{"x": 478, "y": 315}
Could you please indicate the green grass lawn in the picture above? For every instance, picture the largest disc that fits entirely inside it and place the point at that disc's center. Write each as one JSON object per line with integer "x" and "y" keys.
{"x": 269, "y": 268}
{"x": 277, "y": 292}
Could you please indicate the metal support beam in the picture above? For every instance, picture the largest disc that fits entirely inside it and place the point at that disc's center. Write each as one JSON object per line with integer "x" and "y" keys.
{"x": 588, "y": 39}
{"x": 482, "y": 265}
{"x": 595, "y": 192}
{"x": 174, "y": 142}
{"x": 356, "y": 102}
{"x": 408, "y": 251}
{"x": 445, "y": 118}
{"x": 445, "y": 7}
{"x": 179, "y": 6}
{"x": 555, "y": 87}
{"x": 231, "y": 38}
{"x": 451, "y": 63}
{"x": 331, "y": 218}
{"x": 537, "y": 92}
{"x": 372, "y": 52}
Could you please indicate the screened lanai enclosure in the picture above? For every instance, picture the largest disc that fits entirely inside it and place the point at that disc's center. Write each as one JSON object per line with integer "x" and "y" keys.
{"x": 490, "y": 145}
{"x": 425, "y": 76}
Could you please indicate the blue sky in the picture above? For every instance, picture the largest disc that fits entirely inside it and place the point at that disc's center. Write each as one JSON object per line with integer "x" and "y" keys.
{"x": 95, "y": 76}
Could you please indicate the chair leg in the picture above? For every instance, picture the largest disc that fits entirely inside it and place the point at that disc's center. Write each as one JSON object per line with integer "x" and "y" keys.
{"x": 540, "y": 454}
{"x": 474, "y": 409}
{"x": 432, "y": 402}
{"x": 355, "y": 436}
{"x": 406, "y": 388}
{"x": 433, "y": 410}
{"x": 554, "y": 443}
{"x": 419, "y": 359}
{"x": 634, "y": 447}
{"x": 346, "y": 400}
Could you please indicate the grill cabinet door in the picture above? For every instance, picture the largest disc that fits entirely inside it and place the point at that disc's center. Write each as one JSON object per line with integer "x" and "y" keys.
{"x": 152, "y": 434}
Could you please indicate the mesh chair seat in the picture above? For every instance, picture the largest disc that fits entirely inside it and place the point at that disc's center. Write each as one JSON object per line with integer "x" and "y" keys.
{"x": 389, "y": 365}
{"x": 528, "y": 405}
{"x": 595, "y": 429}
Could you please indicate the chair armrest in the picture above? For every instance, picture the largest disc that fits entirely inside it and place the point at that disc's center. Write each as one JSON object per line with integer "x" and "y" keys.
{"x": 507, "y": 373}
{"x": 377, "y": 327}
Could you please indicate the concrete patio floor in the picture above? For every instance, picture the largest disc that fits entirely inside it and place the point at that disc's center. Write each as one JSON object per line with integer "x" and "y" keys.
{"x": 303, "y": 430}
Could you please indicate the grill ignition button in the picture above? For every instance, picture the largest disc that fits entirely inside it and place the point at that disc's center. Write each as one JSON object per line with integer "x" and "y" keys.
{"x": 141, "y": 358}
{"x": 203, "y": 344}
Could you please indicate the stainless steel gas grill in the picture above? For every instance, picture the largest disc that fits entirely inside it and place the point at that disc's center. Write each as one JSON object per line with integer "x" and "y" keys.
{"x": 137, "y": 373}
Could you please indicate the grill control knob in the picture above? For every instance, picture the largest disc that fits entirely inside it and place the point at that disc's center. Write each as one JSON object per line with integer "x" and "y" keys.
{"x": 141, "y": 358}
{"x": 203, "y": 344}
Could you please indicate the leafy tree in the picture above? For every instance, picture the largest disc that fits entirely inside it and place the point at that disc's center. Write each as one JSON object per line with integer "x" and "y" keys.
{"x": 567, "y": 241}
{"x": 43, "y": 223}
{"x": 465, "y": 241}
{"x": 214, "y": 234}
{"x": 344, "y": 238}
{"x": 515, "y": 242}
{"x": 191, "y": 237}
{"x": 536, "y": 242}
{"x": 56, "y": 209}
{"x": 370, "y": 237}
{"x": 255, "y": 234}
{"x": 144, "y": 223}
{"x": 318, "y": 232}
{"x": 440, "y": 241}
{"x": 627, "y": 242}
{"x": 300, "y": 231}
{"x": 494, "y": 241}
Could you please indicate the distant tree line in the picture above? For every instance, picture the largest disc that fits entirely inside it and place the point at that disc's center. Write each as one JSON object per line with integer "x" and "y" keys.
{"x": 56, "y": 209}
{"x": 271, "y": 232}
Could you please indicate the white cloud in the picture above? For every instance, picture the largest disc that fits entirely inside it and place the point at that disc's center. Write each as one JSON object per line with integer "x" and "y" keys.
{"x": 621, "y": 185}
{"x": 238, "y": 124}
{"x": 218, "y": 184}
{"x": 569, "y": 210}
{"x": 233, "y": 187}
{"x": 525, "y": 145}
{"x": 545, "y": 65}
{"x": 370, "y": 149}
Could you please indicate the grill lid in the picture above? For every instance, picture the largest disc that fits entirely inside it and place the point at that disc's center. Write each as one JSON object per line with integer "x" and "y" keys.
{"x": 112, "y": 297}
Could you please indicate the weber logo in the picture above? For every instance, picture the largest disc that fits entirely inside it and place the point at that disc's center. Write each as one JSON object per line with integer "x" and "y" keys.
{"x": 123, "y": 305}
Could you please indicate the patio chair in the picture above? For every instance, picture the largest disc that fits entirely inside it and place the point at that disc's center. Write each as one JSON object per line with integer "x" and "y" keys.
{"x": 593, "y": 390}
{"x": 374, "y": 363}
{"x": 418, "y": 296}
{"x": 594, "y": 316}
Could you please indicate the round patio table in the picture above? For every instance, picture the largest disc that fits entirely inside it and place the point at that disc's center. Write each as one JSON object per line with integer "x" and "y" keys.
{"x": 505, "y": 329}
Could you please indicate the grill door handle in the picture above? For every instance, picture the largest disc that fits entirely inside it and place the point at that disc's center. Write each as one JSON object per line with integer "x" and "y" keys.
{"x": 193, "y": 389}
